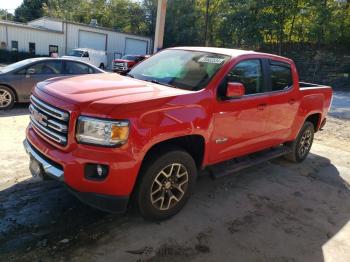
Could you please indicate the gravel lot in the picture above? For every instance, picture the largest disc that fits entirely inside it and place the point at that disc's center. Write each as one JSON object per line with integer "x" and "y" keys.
{"x": 276, "y": 211}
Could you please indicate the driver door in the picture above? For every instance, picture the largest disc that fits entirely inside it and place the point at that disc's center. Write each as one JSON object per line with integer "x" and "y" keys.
{"x": 240, "y": 123}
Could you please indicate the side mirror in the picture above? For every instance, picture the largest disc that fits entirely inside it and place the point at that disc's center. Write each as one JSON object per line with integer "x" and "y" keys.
{"x": 31, "y": 71}
{"x": 235, "y": 90}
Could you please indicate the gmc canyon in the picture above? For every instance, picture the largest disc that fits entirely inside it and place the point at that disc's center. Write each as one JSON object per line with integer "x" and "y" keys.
{"x": 143, "y": 137}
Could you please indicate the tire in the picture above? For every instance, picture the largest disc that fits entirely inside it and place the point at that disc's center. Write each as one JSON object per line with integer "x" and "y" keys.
{"x": 7, "y": 98}
{"x": 301, "y": 146}
{"x": 157, "y": 196}
{"x": 102, "y": 66}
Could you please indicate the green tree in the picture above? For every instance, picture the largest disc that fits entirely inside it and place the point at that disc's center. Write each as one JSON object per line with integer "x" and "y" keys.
{"x": 29, "y": 10}
{"x": 4, "y": 15}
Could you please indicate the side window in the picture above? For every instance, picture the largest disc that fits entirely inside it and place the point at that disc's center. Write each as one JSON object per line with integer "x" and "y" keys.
{"x": 45, "y": 68}
{"x": 53, "y": 49}
{"x": 281, "y": 76}
{"x": 249, "y": 73}
{"x": 32, "y": 48}
{"x": 74, "y": 68}
{"x": 14, "y": 46}
{"x": 86, "y": 54}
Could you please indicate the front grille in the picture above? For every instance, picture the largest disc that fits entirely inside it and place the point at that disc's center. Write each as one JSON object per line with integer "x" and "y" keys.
{"x": 119, "y": 66}
{"x": 49, "y": 121}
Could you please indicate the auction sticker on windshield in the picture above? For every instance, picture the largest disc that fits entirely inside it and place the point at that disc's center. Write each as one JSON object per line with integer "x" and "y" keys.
{"x": 211, "y": 60}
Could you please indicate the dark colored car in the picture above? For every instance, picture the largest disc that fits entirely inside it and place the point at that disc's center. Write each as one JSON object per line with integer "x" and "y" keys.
{"x": 18, "y": 79}
{"x": 124, "y": 64}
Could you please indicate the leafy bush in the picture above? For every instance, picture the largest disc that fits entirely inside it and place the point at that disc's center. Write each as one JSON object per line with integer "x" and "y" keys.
{"x": 13, "y": 56}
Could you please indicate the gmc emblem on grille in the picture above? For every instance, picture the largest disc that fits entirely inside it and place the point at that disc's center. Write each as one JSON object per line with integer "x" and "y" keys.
{"x": 40, "y": 118}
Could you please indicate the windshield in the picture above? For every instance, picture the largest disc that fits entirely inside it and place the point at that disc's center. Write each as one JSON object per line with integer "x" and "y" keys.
{"x": 77, "y": 53}
{"x": 129, "y": 57}
{"x": 190, "y": 70}
{"x": 14, "y": 66}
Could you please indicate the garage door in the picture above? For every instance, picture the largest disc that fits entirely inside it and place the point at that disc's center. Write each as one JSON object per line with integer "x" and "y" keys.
{"x": 92, "y": 40}
{"x": 135, "y": 46}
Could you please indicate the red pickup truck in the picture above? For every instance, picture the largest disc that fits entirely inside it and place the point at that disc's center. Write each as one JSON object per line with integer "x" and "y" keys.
{"x": 145, "y": 136}
{"x": 124, "y": 64}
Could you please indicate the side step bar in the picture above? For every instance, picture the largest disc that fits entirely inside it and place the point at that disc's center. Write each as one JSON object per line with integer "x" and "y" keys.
{"x": 237, "y": 164}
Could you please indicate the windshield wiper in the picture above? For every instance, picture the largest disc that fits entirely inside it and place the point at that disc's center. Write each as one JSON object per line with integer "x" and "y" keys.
{"x": 160, "y": 83}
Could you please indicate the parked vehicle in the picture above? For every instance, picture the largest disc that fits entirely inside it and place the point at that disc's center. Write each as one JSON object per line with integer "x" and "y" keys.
{"x": 17, "y": 80}
{"x": 124, "y": 65}
{"x": 94, "y": 57}
{"x": 111, "y": 138}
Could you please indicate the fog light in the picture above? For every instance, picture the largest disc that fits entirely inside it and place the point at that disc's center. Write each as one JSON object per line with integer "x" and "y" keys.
{"x": 99, "y": 170}
{"x": 96, "y": 171}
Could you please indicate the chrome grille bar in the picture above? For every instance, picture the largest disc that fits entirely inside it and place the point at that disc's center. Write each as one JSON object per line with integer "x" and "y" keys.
{"x": 46, "y": 132}
{"x": 49, "y": 121}
{"x": 49, "y": 109}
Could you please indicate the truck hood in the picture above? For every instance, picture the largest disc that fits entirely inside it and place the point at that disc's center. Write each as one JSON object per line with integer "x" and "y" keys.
{"x": 107, "y": 88}
{"x": 122, "y": 61}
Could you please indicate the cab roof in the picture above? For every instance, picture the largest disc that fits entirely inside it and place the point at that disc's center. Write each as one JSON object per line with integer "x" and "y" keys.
{"x": 227, "y": 51}
{"x": 216, "y": 50}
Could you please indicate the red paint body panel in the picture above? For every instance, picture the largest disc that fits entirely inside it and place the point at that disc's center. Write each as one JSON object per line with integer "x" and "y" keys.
{"x": 158, "y": 113}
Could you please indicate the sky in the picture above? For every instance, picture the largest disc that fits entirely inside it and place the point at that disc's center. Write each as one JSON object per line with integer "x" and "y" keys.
{"x": 10, "y": 5}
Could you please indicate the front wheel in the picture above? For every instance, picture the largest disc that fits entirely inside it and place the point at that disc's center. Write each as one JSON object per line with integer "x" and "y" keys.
{"x": 166, "y": 185}
{"x": 7, "y": 98}
{"x": 301, "y": 146}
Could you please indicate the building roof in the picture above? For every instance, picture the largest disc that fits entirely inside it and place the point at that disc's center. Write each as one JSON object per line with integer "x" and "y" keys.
{"x": 40, "y": 28}
{"x": 23, "y": 25}
{"x": 86, "y": 25}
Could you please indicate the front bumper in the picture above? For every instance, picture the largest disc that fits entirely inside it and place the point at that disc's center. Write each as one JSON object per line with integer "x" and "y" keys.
{"x": 50, "y": 169}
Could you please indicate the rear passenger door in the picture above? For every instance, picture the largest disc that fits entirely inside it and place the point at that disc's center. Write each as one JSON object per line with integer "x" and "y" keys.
{"x": 283, "y": 104}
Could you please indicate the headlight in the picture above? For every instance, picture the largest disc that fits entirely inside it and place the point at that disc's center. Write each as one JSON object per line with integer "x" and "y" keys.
{"x": 102, "y": 132}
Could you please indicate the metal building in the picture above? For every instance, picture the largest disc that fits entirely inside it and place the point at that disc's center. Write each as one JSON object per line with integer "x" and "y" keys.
{"x": 47, "y": 35}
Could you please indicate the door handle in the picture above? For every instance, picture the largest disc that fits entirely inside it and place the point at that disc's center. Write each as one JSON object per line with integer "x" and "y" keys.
{"x": 292, "y": 101}
{"x": 262, "y": 106}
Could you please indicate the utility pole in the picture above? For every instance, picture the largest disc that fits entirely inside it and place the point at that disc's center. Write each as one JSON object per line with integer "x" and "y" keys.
{"x": 160, "y": 24}
{"x": 206, "y": 42}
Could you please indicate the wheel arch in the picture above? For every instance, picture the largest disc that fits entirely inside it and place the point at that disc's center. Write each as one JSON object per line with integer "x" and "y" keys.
{"x": 315, "y": 119}
{"x": 192, "y": 144}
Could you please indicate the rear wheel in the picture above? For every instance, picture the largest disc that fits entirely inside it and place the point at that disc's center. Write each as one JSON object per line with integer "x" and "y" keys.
{"x": 7, "y": 98}
{"x": 301, "y": 146}
{"x": 166, "y": 185}
{"x": 102, "y": 66}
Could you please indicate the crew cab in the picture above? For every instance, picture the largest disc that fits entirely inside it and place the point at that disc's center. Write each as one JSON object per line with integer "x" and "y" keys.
{"x": 124, "y": 65}
{"x": 142, "y": 138}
